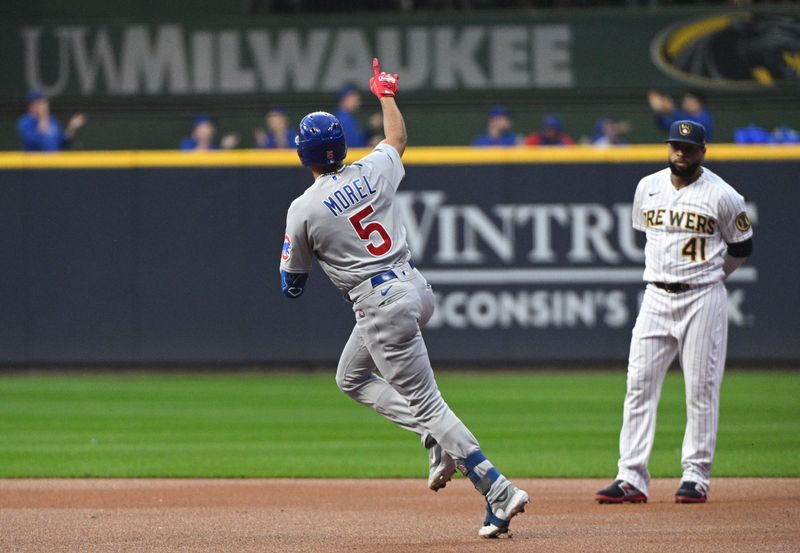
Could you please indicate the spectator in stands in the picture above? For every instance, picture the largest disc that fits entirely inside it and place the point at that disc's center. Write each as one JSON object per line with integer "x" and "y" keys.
{"x": 349, "y": 99}
{"x": 498, "y": 129}
{"x": 753, "y": 134}
{"x": 551, "y": 133}
{"x": 202, "y": 138}
{"x": 785, "y": 135}
{"x": 692, "y": 107}
{"x": 41, "y": 132}
{"x": 278, "y": 132}
{"x": 608, "y": 132}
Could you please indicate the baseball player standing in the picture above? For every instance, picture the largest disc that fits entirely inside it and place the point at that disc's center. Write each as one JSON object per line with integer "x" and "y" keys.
{"x": 349, "y": 221}
{"x": 698, "y": 233}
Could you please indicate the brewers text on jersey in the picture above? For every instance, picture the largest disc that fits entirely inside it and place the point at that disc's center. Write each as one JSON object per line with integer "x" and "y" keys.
{"x": 680, "y": 220}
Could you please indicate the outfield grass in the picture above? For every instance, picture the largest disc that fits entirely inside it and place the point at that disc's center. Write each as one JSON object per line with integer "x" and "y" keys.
{"x": 300, "y": 425}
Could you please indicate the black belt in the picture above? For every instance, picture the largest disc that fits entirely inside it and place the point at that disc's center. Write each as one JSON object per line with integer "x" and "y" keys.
{"x": 672, "y": 287}
{"x": 380, "y": 278}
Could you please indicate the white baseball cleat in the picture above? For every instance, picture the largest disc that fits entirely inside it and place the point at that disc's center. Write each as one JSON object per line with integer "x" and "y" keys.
{"x": 442, "y": 468}
{"x": 499, "y": 513}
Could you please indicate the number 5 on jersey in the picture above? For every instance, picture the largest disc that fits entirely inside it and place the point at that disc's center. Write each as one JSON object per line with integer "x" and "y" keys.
{"x": 364, "y": 232}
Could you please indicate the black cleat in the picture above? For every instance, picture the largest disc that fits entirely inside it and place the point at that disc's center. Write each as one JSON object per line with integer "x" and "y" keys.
{"x": 691, "y": 492}
{"x": 618, "y": 492}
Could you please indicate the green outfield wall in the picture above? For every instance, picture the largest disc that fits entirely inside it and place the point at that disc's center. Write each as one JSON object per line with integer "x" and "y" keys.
{"x": 141, "y": 78}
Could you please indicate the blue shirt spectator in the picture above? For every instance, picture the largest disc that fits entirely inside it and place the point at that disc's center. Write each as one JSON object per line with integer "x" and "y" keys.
{"x": 551, "y": 133}
{"x": 41, "y": 132}
{"x": 36, "y": 140}
{"x": 692, "y": 108}
{"x": 506, "y": 139}
{"x": 608, "y": 132}
{"x": 272, "y": 140}
{"x": 202, "y": 137}
{"x": 498, "y": 129}
{"x": 753, "y": 134}
{"x": 349, "y": 103}
{"x": 278, "y": 133}
{"x": 191, "y": 143}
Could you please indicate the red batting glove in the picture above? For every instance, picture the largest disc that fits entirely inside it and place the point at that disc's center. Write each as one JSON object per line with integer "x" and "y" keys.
{"x": 382, "y": 85}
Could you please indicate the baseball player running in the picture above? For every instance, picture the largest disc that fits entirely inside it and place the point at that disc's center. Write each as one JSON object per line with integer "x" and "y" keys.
{"x": 349, "y": 221}
{"x": 698, "y": 233}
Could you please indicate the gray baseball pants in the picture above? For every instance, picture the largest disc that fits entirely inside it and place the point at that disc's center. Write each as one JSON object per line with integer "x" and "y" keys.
{"x": 387, "y": 338}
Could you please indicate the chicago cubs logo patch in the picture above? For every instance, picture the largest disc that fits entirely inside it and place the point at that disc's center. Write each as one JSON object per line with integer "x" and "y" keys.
{"x": 743, "y": 222}
{"x": 286, "y": 253}
{"x": 685, "y": 129}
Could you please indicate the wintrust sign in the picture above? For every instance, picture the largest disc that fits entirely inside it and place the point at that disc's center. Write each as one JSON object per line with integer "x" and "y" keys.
{"x": 556, "y": 265}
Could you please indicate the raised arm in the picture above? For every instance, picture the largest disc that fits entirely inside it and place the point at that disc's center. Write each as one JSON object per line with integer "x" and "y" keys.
{"x": 384, "y": 87}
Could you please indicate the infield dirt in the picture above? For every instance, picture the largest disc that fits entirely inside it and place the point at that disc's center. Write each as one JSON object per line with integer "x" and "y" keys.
{"x": 395, "y": 516}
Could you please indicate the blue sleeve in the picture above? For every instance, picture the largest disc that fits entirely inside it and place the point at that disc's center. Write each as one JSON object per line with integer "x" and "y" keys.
{"x": 29, "y": 134}
{"x": 292, "y": 284}
{"x": 353, "y": 134}
{"x": 664, "y": 120}
{"x": 704, "y": 118}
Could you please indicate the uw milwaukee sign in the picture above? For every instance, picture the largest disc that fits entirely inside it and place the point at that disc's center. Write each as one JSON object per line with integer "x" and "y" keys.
{"x": 174, "y": 60}
{"x": 506, "y": 51}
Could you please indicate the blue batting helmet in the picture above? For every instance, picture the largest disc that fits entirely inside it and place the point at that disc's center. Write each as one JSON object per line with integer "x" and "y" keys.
{"x": 320, "y": 141}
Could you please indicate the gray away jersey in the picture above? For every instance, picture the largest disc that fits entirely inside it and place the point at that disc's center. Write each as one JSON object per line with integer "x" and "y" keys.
{"x": 688, "y": 229}
{"x": 349, "y": 222}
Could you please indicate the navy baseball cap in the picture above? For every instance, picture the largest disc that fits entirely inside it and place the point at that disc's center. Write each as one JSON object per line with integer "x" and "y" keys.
{"x": 552, "y": 121}
{"x": 201, "y": 118}
{"x": 688, "y": 132}
{"x": 498, "y": 111}
{"x": 34, "y": 95}
{"x": 344, "y": 91}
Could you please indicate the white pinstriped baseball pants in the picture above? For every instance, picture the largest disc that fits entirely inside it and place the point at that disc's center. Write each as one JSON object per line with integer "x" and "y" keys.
{"x": 694, "y": 326}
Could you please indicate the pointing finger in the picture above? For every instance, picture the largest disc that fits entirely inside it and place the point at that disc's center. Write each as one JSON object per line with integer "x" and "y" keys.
{"x": 376, "y": 67}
